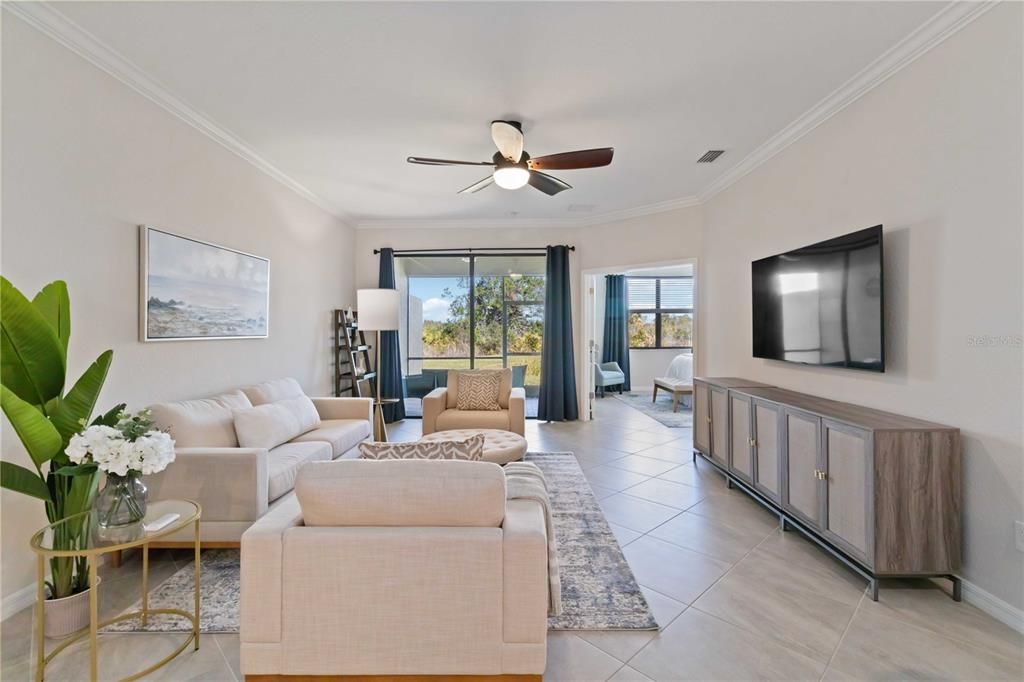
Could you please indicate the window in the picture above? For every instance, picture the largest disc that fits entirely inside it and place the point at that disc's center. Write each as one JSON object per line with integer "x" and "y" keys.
{"x": 660, "y": 312}
{"x": 472, "y": 311}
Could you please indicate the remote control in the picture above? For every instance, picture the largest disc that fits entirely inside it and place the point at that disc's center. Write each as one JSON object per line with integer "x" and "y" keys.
{"x": 161, "y": 522}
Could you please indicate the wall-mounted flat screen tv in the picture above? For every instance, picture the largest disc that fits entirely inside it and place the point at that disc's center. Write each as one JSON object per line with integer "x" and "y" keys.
{"x": 823, "y": 304}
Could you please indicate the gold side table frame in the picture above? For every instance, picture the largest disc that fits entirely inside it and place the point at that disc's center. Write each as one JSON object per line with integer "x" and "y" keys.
{"x": 189, "y": 514}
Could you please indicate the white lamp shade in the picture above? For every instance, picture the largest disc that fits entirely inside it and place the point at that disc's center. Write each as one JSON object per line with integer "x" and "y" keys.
{"x": 378, "y": 309}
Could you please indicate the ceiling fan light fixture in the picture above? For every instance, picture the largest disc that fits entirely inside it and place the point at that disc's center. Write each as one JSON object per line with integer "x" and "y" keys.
{"x": 511, "y": 177}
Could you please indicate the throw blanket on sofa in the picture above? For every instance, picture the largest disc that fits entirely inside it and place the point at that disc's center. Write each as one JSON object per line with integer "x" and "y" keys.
{"x": 524, "y": 480}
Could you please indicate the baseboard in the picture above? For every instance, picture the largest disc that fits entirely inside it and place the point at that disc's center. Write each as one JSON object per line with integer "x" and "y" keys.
{"x": 26, "y": 596}
{"x": 1002, "y": 611}
{"x": 22, "y": 599}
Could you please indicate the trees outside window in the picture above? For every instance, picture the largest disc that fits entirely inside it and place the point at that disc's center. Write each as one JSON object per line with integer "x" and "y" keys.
{"x": 660, "y": 312}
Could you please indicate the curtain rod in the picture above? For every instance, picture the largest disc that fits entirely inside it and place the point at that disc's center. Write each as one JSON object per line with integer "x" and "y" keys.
{"x": 486, "y": 248}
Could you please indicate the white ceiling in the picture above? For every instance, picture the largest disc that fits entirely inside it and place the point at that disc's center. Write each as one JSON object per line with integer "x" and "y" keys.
{"x": 336, "y": 95}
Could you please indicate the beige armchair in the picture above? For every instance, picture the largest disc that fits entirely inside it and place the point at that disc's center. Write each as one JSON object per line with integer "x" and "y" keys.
{"x": 405, "y": 567}
{"x": 441, "y": 412}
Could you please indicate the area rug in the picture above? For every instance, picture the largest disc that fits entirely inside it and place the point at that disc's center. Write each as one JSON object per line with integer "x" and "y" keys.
{"x": 660, "y": 410}
{"x": 599, "y": 591}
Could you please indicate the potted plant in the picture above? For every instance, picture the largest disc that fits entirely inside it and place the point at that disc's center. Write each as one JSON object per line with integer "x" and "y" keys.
{"x": 33, "y": 365}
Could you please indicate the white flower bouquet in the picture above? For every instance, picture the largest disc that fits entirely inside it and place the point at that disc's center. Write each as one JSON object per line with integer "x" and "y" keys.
{"x": 125, "y": 447}
{"x": 131, "y": 446}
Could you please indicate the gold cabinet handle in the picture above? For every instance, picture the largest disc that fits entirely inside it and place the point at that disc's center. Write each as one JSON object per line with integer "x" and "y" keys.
{"x": 820, "y": 475}
{"x": 709, "y": 420}
{"x": 753, "y": 442}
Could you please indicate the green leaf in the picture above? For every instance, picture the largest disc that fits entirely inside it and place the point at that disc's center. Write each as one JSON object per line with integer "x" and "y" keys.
{"x": 76, "y": 407}
{"x": 82, "y": 494}
{"x": 32, "y": 361}
{"x": 77, "y": 470}
{"x": 54, "y": 305}
{"x": 22, "y": 480}
{"x": 110, "y": 417}
{"x": 37, "y": 434}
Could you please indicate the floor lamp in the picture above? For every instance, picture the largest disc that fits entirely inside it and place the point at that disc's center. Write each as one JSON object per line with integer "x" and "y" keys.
{"x": 378, "y": 312}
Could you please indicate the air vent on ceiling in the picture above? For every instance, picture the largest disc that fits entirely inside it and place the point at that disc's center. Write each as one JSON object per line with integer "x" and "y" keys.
{"x": 711, "y": 155}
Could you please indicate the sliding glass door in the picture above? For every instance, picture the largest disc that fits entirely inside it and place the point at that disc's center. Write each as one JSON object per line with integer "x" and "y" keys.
{"x": 471, "y": 311}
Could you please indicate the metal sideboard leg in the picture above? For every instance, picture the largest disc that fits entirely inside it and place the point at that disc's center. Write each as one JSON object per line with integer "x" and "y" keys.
{"x": 958, "y": 587}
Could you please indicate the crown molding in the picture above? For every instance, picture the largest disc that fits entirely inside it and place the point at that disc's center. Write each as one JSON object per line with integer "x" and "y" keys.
{"x": 51, "y": 22}
{"x": 940, "y": 26}
{"x": 528, "y": 223}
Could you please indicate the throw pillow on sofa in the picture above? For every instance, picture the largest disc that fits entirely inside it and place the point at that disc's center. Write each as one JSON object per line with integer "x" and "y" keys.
{"x": 304, "y": 410}
{"x": 471, "y": 449}
{"x": 266, "y": 426}
{"x": 479, "y": 391}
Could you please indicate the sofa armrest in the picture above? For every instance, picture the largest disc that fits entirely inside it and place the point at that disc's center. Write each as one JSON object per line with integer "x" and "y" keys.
{"x": 517, "y": 411}
{"x": 262, "y": 572}
{"x": 434, "y": 403}
{"x": 231, "y": 484}
{"x": 344, "y": 408}
{"x": 525, "y": 557}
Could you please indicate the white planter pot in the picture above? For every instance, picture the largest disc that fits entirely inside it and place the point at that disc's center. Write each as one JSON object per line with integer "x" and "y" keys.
{"x": 65, "y": 616}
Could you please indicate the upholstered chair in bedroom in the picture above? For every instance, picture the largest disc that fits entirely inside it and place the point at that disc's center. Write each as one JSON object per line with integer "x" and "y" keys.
{"x": 608, "y": 374}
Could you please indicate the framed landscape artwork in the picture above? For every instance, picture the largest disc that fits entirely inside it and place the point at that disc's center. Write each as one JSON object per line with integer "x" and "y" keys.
{"x": 192, "y": 290}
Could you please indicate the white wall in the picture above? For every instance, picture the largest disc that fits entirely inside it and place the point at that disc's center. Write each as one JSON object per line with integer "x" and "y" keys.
{"x": 674, "y": 235}
{"x": 85, "y": 160}
{"x": 934, "y": 153}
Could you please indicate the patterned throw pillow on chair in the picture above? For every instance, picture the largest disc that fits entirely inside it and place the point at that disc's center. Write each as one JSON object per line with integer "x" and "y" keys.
{"x": 471, "y": 449}
{"x": 479, "y": 391}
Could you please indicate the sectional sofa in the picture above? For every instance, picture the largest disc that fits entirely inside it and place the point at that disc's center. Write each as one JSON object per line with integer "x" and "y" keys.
{"x": 238, "y": 453}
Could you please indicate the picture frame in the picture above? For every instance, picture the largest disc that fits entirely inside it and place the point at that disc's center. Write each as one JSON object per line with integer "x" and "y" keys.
{"x": 194, "y": 290}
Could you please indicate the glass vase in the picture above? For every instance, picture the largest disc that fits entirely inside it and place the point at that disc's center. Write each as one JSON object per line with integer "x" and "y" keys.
{"x": 122, "y": 503}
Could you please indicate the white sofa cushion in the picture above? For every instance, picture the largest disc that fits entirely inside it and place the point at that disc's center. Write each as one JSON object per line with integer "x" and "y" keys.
{"x": 285, "y": 462}
{"x": 266, "y": 426}
{"x": 273, "y": 390}
{"x": 410, "y": 492}
{"x": 342, "y": 434}
{"x": 304, "y": 411}
{"x": 207, "y": 422}
{"x": 471, "y": 449}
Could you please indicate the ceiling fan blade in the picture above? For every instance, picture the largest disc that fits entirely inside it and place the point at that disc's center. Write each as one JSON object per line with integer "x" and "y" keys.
{"x": 547, "y": 184}
{"x": 477, "y": 186}
{"x": 508, "y": 138}
{"x": 446, "y": 162}
{"x": 585, "y": 158}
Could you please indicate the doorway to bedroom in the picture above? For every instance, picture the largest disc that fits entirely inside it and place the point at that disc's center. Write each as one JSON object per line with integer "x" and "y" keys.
{"x": 640, "y": 336}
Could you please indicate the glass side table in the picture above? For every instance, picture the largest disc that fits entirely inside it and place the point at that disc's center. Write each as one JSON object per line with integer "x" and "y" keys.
{"x": 91, "y": 543}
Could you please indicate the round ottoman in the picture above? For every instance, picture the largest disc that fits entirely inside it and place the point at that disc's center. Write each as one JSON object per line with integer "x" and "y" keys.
{"x": 500, "y": 446}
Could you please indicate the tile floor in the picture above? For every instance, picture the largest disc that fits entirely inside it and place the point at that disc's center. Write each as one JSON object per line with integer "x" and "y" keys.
{"x": 736, "y": 598}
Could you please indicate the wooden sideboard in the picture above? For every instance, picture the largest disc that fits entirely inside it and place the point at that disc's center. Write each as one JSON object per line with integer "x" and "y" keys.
{"x": 879, "y": 491}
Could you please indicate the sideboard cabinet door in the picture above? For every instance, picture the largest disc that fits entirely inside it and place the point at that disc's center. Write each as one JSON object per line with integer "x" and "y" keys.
{"x": 767, "y": 429}
{"x": 720, "y": 426}
{"x": 802, "y": 495}
{"x": 848, "y": 454}
{"x": 741, "y": 462}
{"x": 701, "y": 417}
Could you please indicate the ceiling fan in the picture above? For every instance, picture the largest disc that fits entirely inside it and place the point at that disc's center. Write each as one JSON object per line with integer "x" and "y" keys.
{"x": 513, "y": 167}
